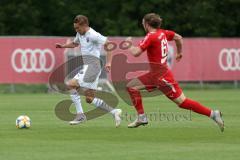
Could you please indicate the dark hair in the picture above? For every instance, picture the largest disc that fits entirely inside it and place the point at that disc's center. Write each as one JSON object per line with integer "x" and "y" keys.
{"x": 153, "y": 19}
{"x": 81, "y": 19}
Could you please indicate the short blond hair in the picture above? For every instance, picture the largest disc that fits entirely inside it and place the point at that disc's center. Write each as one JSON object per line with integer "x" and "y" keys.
{"x": 153, "y": 19}
{"x": 81, "y": 19}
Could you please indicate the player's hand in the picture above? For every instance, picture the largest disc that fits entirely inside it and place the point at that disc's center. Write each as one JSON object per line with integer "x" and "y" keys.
{"x": 128, "y": 39}
{"x": 108, "y": 67}
{"x": 58, "y": 45}
{"x": 179, "y": 56}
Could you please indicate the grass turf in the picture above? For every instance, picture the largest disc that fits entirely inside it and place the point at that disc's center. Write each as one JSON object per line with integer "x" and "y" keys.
{"x": 51, "y": 138}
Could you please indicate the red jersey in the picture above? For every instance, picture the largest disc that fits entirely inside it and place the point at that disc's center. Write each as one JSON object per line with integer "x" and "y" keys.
{"x": 157, "y": 46}
{"x": 159, "y": 76}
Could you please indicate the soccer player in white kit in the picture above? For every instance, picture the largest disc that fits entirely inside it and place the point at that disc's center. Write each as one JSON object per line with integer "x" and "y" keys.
{"x": 91, "y": 43}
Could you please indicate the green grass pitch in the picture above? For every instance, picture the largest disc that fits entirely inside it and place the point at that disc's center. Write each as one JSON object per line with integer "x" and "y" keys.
{"x": 49, "y": 138}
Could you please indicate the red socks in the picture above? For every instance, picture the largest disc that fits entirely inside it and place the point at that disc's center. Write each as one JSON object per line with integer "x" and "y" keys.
{"x": 196, "y": 107}
{"x": 187, "y": 103}
{"x": 136, "y": 99}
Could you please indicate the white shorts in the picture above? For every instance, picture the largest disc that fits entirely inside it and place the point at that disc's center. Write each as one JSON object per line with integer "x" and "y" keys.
{"x": 88, "y": 78}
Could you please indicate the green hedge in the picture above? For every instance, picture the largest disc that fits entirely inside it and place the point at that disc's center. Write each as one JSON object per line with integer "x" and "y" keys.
{"x": 191, "y": 18}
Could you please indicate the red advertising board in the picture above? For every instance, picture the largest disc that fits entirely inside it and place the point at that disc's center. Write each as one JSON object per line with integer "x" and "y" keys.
{"x": 28, "y": 60}
{"x": 209, "y": 59}
{"x": 204, "y": 59}
{"x": 32, "y": 59}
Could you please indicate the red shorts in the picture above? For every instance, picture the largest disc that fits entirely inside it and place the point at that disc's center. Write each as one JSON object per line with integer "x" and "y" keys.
{"x": 165, "y": 83}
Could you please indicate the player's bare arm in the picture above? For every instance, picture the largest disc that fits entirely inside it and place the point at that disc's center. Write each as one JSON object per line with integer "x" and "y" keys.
{"x": 67, "y": 45}
{"x": 108, "y": 59}
{"x": 134, "y": 50}
{"x": 179, "y": 42}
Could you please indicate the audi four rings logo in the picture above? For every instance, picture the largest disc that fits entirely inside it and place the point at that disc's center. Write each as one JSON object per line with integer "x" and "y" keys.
{"x": 229, "y": 59}
{"x": 28, "y": 60}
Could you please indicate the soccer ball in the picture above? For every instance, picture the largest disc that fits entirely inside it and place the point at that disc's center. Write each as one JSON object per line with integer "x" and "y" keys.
{"x": 23, "y": 121}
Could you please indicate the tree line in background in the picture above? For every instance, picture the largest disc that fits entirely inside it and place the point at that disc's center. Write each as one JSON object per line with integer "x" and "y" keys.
{"x": 191, "y": 18}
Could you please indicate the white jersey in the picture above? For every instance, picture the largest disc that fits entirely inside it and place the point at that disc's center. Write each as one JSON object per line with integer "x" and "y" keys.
{"x": 90, "y": 43}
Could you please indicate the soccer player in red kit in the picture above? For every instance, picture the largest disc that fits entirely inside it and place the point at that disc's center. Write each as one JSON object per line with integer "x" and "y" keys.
{"x": 159, "y": 76}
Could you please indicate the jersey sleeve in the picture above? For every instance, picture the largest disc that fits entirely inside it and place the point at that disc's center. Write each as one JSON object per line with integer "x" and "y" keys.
{"x": 169, "y": 34}
{"x": 98, "y": 38}
{"x": 145, "y": 43}
{"x": 76, "y": 39}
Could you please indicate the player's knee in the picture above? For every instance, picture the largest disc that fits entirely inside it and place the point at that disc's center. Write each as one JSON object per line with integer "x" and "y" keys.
{"x": 69, "y": 87}
{"x": 89, "y": 99}
{"x": 71, "y": 84}
{"x": 180, "y": 100}
{"x": 133, "y": 92}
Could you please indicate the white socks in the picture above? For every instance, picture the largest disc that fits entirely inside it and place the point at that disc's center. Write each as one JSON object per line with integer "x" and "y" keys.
{"x": 101, "y": 104}
{"x": 96, "y": 102}
{"x": 77, "y": 101}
